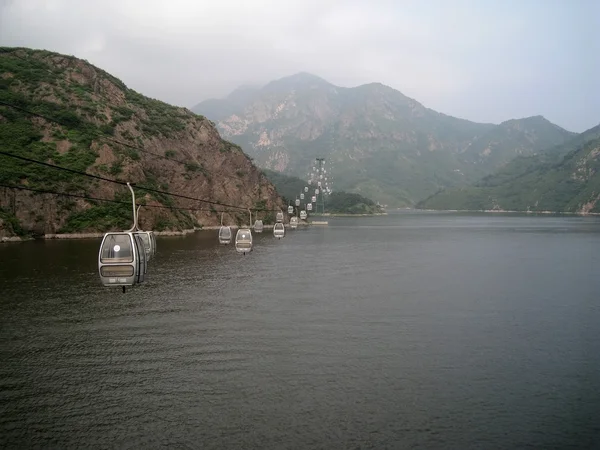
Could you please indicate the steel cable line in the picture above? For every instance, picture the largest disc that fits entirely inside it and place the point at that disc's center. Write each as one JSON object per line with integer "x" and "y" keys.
{"x": 122, "y": 183}
{"x": 128, "y": 203}
{"x": 99, "y": 135}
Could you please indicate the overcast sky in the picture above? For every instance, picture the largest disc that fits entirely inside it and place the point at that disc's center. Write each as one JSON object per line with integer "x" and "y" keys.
{"x": 486, "y": 61}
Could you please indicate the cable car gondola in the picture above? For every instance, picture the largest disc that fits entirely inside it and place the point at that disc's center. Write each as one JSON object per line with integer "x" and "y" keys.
{"x": 243, "y": 239}
{"x": 279, "y": 230}
{"x": 258, "y": 226}
{"x": 225, "y": 234}
{"x": 293, "y": 222}
{"x": 122, "y": 259}
{"x": 279, "y": 215}
{"x": 149, "y": 241}
{"x": 122, "y": 256}
{"x": 290, "y": 210}
{"x": 148, "y": 238}
{"x": 302, "y": 215}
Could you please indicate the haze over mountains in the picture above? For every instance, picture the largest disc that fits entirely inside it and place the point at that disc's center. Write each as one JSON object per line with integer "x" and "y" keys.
{"x": 384, "y": 145}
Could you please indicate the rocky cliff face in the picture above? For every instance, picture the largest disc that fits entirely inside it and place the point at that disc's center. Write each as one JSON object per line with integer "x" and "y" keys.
{"x": 103, "y": 128}
{"x": 383, "y": 144}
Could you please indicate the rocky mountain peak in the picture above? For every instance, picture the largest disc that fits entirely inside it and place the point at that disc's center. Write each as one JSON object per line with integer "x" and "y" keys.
{"x": 385, "y": 145}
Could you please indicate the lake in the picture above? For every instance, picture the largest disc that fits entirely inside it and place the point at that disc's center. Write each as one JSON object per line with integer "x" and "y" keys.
{"x": 412, "y": 330}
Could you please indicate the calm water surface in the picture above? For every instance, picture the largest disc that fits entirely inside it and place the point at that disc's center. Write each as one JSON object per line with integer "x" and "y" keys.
{"x": 415, "y": 330}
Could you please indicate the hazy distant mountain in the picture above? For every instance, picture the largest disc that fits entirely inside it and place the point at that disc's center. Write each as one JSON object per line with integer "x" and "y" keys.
{"x": 383, "y": 144}
{"x": 566, "y": 179}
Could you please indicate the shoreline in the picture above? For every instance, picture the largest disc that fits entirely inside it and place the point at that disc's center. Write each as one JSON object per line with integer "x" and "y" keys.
{"x": 349, "y": 215}
{"x": 507, "y": 211}
{"x": 74, "y": 236}
{"x": 58, "y": 236}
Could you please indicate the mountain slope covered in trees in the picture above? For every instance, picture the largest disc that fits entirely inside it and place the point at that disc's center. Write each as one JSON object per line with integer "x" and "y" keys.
{"x": 565, "y": 180}
{"x": 63, "y": 111}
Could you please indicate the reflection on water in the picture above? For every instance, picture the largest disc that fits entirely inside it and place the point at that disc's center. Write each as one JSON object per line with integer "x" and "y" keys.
{"x": 415, "y": 329}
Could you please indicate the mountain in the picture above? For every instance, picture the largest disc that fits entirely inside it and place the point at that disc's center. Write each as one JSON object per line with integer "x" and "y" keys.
{"x": 338, "y": 202}
{"x": 382, "y": 143}
{"x": 347, "y": 203}
{"x": 86, "y": 120}
{"x": 566, "y": 179}
{"x": 288, "y": 186}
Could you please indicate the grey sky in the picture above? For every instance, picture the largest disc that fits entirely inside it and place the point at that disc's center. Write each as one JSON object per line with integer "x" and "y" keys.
{"x": 482, "y": 60}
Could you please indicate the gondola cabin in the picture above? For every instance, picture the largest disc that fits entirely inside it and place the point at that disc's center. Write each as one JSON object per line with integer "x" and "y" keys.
{"x": 294, "y": 222}
{"x": 279, "y": 215}
{"x": 290, "y": 209}
{"x": 243, "y": 241}
{"x": 302, "y": 215}
{"x": 258, "y": 226}
{"x": 309, "y": 207}
{"x": 279, "y": 230}
{"x": 225, "y": 235}
{"x": 149, "y": 243}
{"x": 122, "y": 259}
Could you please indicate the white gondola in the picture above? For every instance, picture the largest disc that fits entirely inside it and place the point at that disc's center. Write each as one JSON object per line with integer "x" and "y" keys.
{"x": 309, "y": 207}
{"x": 279, "y": 230}
{"x": 225, "y": 235}
{"x": 279, "y": 215}
{"x": 258, "y": 226}
{"x": 148, "y": 238}
{"x": 313, "y": 199}
{"x": 243, "y": 238}
{"x": 290, "y": 209}
{"x": 297, "y": 202}
{"x": 294, "y": 223}
{"x": 122, "y": 256}
{"x": 316, "y": 192}
{"x": 302, "y": 196}
{"x": 302, "y": 215}
{"x": 305, "y": 188}
{"x": 149, "y": 241}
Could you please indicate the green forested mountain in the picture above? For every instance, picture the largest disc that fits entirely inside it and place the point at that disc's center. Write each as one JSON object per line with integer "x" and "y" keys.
{"x": 287, "y": 186}
{"x": 349, "y": 203}
{"x": 383, "y": 144}
{"x": 566, "y": 179}
{"x": 337, "y": 202}
{"x": 61, "y": 110}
